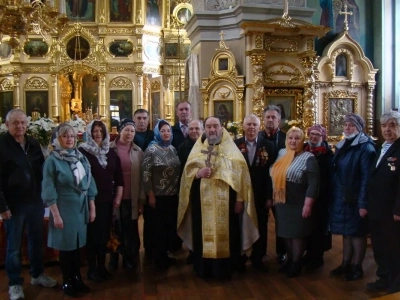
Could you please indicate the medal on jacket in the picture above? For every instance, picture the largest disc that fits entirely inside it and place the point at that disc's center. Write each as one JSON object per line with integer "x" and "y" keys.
{"x": 392, "y": 166}
{"x": 391, "y": 163}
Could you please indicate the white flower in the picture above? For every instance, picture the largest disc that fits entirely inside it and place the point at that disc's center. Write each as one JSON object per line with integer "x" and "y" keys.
{"x": 229, "y": 125}
{"x": 3, "y": 128}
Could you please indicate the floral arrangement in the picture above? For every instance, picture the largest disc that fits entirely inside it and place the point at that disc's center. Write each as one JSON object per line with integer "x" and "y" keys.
{"x": 78, "y": 124}
{"x": 3, "y": 129}
{"x": 232, "y": 127}
{"x": 41, "y": 130}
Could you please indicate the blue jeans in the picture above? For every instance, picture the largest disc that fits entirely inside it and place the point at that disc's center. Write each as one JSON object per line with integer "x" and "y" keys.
{"x": 31, "y": 217}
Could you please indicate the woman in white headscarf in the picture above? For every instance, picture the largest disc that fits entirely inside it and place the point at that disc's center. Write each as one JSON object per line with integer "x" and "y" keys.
{"x": 69, "y": 190}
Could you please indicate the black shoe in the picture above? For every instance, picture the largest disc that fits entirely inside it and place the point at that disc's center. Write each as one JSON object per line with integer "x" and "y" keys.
{"x": 259, "y": 266}
{"x": 95, "y": 276}
{"x": 104, "y": 273}
{"x": 379, "y": 285}
{"x": 69, "y": 289}
{"x": 280, "y": 258}
{"x": 294, "y": 270}
{"x": 315, "y": 264}
{"x": 355, "y": 273}
{"x": 343, "y": 269}
{"x": 80, "y": 286}
{"x": 285, "y": 268}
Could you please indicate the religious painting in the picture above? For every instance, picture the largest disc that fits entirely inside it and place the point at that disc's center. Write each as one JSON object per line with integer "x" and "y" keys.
{"x": 183, "y": 12}
{"x": 341, "y": 65}
{"x": 81, "y": 10}
{"x": 121, "y": 100}
{"x": 223, "y": 110}
{"x": 171, "y": 50}
{"x": 90, "y": 97}
{"x": 6, "y": 104}
{"x": 121, "y": 48}
{"x": 121, "y": 10}
{"x": 337, "y": 104}
{"x": 78, "y": 48}
{"x": 37, "y": 102}
{"x": 5, "y": 50}
{"x": 223, "y": 64}
{"x": 36, "y": 48}
{"x": 152, "y": 50}
{"x": 289, "y": 101}
{"x": 154, "y": 12}
{"x": 155, "y": 110}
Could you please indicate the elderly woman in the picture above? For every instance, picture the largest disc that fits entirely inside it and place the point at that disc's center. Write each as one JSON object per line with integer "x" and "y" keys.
{"x": 133, "y": 197}
{"x": 69, "y": 190}
{"x": 383, "y": 196}
{"x": 351, "y": 164}
{"x": 295, "y": 178}
{"x": 320, "y": 240}
{"x": 107, "y": 173}
{"x": 161, "y": 171}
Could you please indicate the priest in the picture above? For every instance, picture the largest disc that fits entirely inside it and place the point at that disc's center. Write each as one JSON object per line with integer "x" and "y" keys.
{"x": 216, "y": 216}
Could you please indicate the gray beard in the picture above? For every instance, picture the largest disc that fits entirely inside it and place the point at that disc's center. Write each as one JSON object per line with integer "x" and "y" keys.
{"x": 214, "y": 140}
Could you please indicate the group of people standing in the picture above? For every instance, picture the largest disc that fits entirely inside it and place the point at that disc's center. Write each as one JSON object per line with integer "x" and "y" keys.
{"x": 197, "y": 186}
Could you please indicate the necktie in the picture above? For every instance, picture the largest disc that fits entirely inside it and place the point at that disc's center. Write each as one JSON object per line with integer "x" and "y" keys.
{"x": 184, "y": 130}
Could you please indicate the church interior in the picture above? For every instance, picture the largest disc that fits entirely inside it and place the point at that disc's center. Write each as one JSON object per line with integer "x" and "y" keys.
{"x": 316, "y": 60}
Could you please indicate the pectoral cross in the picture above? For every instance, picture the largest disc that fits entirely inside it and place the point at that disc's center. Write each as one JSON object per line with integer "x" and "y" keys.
{"x": 209, "y": 153}
{"x": 346, "y": 13}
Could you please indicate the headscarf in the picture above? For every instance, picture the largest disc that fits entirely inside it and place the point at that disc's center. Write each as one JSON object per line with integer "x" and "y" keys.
{"x": 357, "y": 120}
{"x": 318, "y": 128}
{"x": 280, "y": 167}
{"x": 72, "y": 156}
{"x": 157, "y": 136}
{"x": 91, "y": 146}
{"x": 126, "y": 122}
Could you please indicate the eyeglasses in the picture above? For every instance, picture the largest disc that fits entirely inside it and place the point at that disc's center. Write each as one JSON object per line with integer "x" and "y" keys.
{"x": 315, "y": 134}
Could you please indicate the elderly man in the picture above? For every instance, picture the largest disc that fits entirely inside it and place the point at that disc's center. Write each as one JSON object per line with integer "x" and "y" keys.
{"x": 221, "y": 218}
{"x": 181, "y": 130}
{"x": 383, "y": 197}
{"x": 21, "y": 161}
{"x": 259, "y": 155}
{"x": 272, "y": 133}
{"x": 143, "y": 136}
{"x": 195, "y": 130}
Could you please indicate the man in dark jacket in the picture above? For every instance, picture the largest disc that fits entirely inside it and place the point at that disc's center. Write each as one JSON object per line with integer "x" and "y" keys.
{"x": 21, "y": 161}
{"x": 143, "y": 136}
{"x": 258, "y": 153}
{"x": 383, "y": 198}
{"x": 195, "y": 130}
{"x": 272, "y": 133}
{"x": 180, "y": 129}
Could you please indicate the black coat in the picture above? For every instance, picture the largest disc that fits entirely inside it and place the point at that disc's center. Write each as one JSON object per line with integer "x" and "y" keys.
{"x": 278, "y": 140}
{"x": 178, "y": 137}
{"x": 20, "y": 172}
{"x": 147, "y": 139}
{"x": 184, "y": 151}
{"x": 383, "y": 192}
{"x": 259, "y": 171}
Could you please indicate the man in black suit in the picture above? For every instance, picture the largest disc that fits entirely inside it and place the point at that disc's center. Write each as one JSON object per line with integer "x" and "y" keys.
{"x": 272, "y": 133}
{"x": 258, "y": 154}
{"x": 181, "y": 130}
{"x": 384, "y": 206}
{"x": 143, "y": 136}
{"x": 195, "y": 130}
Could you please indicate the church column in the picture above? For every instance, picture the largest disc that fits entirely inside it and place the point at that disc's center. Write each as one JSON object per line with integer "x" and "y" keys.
{"x": 102, "y": 100}
{"x": 16, "y": 92}
{"x": 168, "y": 96}
{"x": 370, "y": 108}
{"x": 257, "y": 59}
{"x": 139, "y": 12}
{"x": 55, "y": 101}
{"x": 139, "y": 91}
{"x": 308, "y": 62}
{"x": 146, "y": 90}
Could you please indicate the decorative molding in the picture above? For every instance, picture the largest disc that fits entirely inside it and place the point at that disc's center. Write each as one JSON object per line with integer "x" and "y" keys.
{"x": 271, "y": 41}
{"x": 36, "y": 83}
{"x": 290, "y": 72}
{"x": 121, "y": 82}
{"x": 6, "y": 85}
{"x": 155, "y": 86}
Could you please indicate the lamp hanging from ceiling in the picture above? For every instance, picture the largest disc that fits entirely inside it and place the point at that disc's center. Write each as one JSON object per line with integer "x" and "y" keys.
{"x": 23, "y": 17}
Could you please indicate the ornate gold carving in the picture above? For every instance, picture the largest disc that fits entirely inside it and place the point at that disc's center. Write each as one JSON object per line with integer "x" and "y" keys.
{"x": 309, "y": 107}
{"x": 291, "y": 42}
{"x": 258, "y": 87}
{"x": 259, "y": 41}
{"x": 286, "y": 21}
{"x": 370, "y": 108}
{"x": 334, "y": 114}
{"x": 121, "y": 83}
{"x": 102, "y": 17}
{"x": 282, "y": 70}
{"x": 36, "y": 83}
{"x": 310, "y": 44}
{"x": 257, "y": 59}
{"x": 121, "y": 69}
{"x": 36, "y": 69}
{"x": 155, "y": 86}
{"x": 6, "y": 85}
